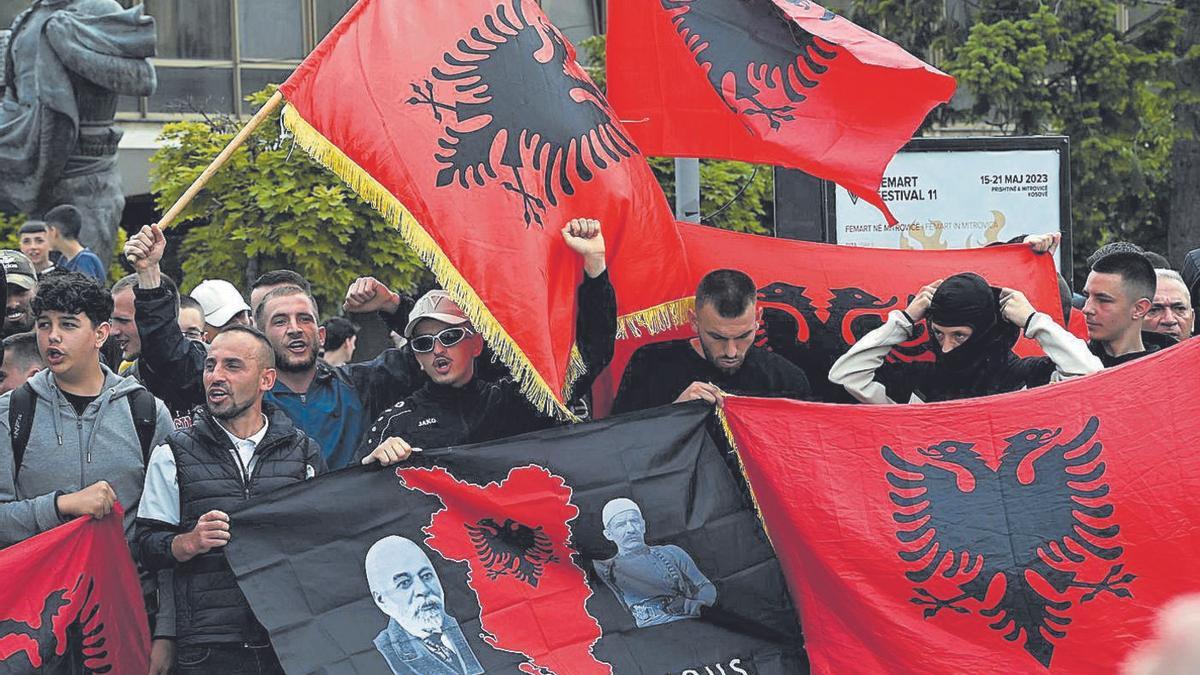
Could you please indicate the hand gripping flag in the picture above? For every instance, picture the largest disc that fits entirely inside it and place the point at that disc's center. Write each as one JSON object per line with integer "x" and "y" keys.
{"x": 1032, "y": 532}
{"x": 817, "y": 300}
{"x": 471, "y": 126}
{"x": 784, "y": 82}
{"x": 70, "y": 602}
{"x": 621, "y": 546}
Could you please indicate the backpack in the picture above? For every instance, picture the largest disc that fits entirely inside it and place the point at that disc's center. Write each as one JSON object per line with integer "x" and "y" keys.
{"x": 23, "y": 400}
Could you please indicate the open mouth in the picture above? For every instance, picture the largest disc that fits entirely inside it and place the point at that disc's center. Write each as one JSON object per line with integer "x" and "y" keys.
{"x": 441, "y": 365}
{"x": 217, "y": 396}
{"x": 54, "y": 356}
{"x": 14, "y": 315}
{"x": 297, "y": 346}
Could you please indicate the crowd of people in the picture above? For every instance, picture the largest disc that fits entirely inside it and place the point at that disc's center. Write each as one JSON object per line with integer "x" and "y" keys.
{"x": 181, "y": 407}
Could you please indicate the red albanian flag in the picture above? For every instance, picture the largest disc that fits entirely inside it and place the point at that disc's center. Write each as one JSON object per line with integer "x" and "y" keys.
{"x": 1032, "y": 532}
{"x": 471, "y": 126}
{"x": 784, "y": 82}
{"x": 817, "y": 300}
{"x": 71, "y": 596}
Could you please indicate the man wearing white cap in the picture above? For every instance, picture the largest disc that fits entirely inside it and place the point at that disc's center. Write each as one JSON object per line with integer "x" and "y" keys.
{"x": 222, "y": 305}
{"x": 656, "y": 584}
{"x": 455, "y": 407}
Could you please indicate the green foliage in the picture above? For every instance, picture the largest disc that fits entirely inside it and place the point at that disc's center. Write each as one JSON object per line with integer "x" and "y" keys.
{"x": 1030, "y": 68}
{"x": 273, "y": 207}
{"x": 720, "y": 181}
{"x": 10, "y": 228}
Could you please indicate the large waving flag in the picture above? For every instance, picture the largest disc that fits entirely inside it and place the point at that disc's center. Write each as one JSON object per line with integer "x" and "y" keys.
{"x": 784, "y": 82}
{"x": 70, "y": 602}
{"x": 471, "y": 126}
{"x": 1032, "y": 532}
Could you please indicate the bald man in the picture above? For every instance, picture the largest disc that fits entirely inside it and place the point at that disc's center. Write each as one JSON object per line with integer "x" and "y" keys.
{"x": 656, "y": 584}
{"x": 420, "y": 638}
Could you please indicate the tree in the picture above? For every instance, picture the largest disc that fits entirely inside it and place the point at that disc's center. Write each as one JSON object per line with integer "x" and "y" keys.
{"x": 1025, "y": 67}
{"x": 273, "y": 207}
{"x": 733, "y": 195}
{"x": 1184, "y": 222}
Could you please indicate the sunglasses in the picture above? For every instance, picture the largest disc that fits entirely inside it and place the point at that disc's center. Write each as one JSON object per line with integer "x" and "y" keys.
{"x": 423, "y": 344}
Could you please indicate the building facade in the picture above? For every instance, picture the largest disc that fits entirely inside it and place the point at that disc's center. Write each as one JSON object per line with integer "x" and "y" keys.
{"x": 214, "y": 53}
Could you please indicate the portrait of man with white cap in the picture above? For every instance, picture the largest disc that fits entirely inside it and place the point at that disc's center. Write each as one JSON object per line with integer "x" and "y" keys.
{"x": 655, "y": 584}
{"x": 420, "y": 638}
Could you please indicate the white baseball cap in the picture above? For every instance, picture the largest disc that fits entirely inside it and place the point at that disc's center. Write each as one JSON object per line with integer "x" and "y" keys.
{"x": 438, "y": 306}
{"x": 220, "y": 301}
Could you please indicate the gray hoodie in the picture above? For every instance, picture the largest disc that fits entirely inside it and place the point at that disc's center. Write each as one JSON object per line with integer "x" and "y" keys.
{"x": 68, "y": 452}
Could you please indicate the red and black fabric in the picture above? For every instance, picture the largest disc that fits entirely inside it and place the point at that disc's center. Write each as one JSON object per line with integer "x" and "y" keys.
{"x": 70, "y": 602}
{"x": 514, "y": 533}
{"x": 471, "y": 126}
{"x": 783, "y": 82}
{"x": 1032, "y": 532}
{"x": 817, "y": 300}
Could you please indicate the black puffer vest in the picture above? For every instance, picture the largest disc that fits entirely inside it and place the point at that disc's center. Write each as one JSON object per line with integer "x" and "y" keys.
{"x": 210, "y": 608}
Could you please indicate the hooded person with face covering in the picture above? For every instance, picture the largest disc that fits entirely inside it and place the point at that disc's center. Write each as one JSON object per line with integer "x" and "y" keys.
{"x": 972, "y": 329}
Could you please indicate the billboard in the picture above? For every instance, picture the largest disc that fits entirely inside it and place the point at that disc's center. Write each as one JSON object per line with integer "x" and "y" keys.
{"x": 952, "y": 193}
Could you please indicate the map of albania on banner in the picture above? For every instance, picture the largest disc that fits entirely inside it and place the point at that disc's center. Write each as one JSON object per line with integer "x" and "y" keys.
{"x": 622, "y": 546}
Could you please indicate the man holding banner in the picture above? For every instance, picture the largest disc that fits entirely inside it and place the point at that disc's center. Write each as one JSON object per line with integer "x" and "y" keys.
{"x": 722, "y": 357}
{"x": 456, "y": 407}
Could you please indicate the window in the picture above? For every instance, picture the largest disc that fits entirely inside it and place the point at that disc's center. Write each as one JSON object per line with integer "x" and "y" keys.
{"x": 577, "y": 19}
{"x": 214, "y": 53}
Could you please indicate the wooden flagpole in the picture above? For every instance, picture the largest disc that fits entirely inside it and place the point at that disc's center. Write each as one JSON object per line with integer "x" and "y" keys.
{"x": 186, "y": 198}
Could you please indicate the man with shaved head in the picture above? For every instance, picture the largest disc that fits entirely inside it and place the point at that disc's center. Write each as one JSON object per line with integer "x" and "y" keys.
{"x": 238, "y": 447}
{"x": 420, "y": 638}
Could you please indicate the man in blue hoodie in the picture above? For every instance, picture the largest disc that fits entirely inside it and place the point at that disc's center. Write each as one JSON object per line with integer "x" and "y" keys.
{"x": 84, "y": 450}
{"x": 334, "y": 405}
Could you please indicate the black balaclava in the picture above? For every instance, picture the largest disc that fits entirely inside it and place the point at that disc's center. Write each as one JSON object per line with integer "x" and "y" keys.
{"x": 965, "y": 300}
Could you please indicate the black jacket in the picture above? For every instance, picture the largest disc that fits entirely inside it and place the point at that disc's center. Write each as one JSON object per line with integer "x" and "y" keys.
{"x": 658, "y": 373}
{"x": 172, "y": 367}
{"x": 437, "y": 416}
{"x": 210, "y": 608}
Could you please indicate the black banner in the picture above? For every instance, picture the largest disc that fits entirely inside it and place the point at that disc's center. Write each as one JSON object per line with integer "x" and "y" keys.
{"x": 618, "y": 546}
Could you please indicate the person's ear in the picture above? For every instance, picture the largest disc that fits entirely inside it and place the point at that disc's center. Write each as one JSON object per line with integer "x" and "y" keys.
{"x": 1141, "y": 308}
{"x": 266, "y": 381}
{"x": 692, "y": 320}
{"x": 476, "y": 345}
{"x": 102, "y": 333}
{"x": 33, "y": 370}
{"x": 321, "y": 334}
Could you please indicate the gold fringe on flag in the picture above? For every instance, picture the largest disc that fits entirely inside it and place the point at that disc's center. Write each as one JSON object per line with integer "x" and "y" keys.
{"x": 533, "y": 386}
{"x": 720, "y": 410}
{"x": 657, "y": 319}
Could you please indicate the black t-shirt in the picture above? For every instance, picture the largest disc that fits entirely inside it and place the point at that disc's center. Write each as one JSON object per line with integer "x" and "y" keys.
{"x": 80, "y": 402}
{"x": 1151, "y": 342}
{"x": 658, "y": 373}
